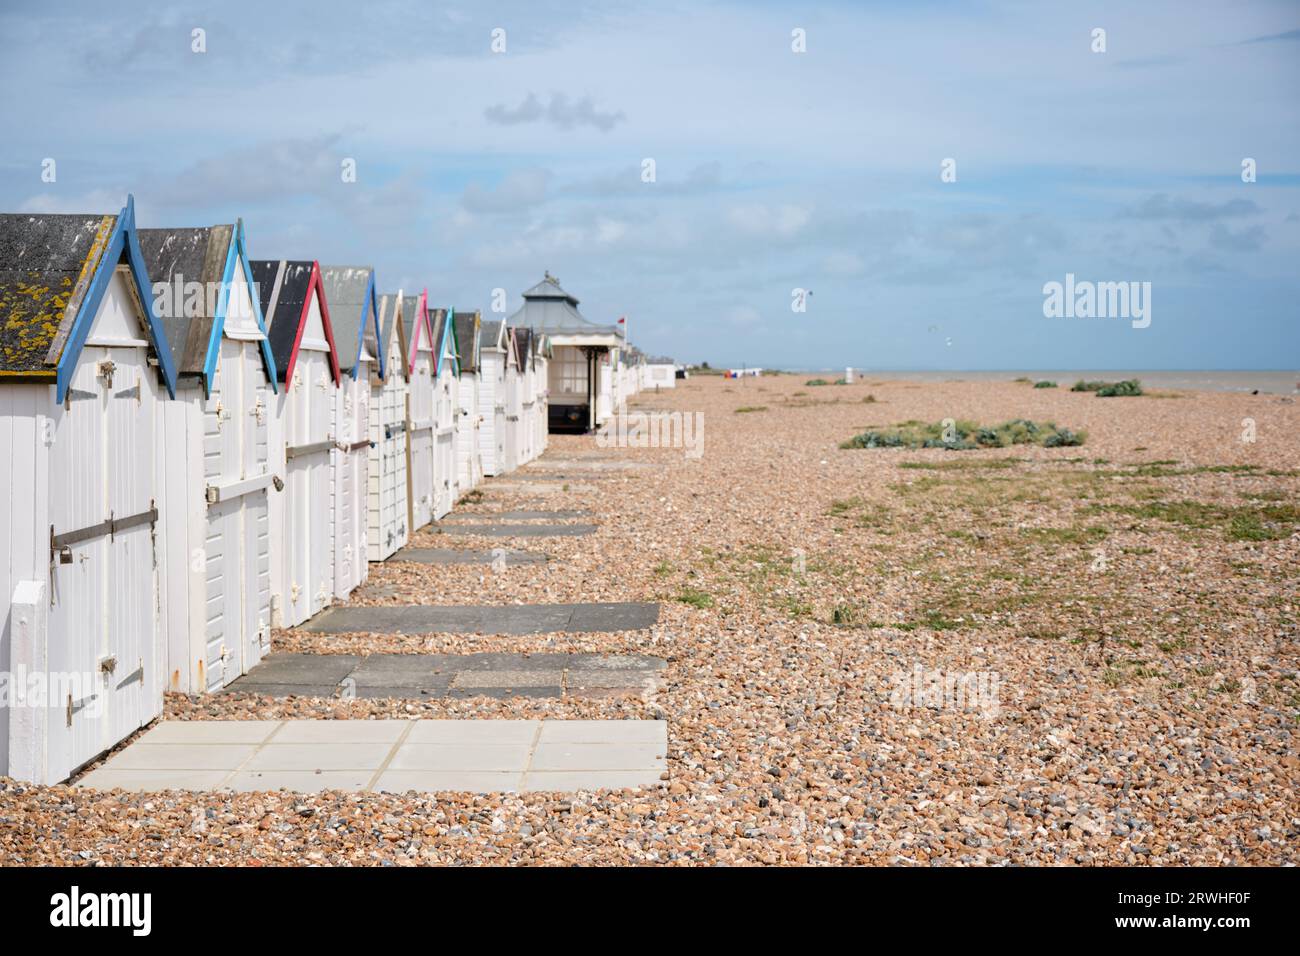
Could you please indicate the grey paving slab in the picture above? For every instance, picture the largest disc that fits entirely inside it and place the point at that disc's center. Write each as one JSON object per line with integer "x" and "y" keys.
{"x": 540, "y": 487}
{"x": 435, "y": 675}
{"x": 505, "y": 693}
{"x": 380, "y": 692}
{"x": 518, "y": 515}
{"x": 604, "y": 731}
{"x": 182, "y": 756}
{"x": 494, "y": 678}
{"x": 572, "y": 781}
{"x": 209, "y": 732}
{"x": 613, "y": 617}
{"x": 398, "y": 670}
{"x": 338, "y": 755}
{"x": 609, "y": 679}
{"x": 557, "y": 475}
{"x": 597, "y": 756}
{"x": 339, "y": 731}
{"x": 299, "y": 781}
{"x": 620, "y": 662}
{"x": 474, "y": 757}
{"x": 585, "y": 466}
{"x": 501, "y": 619}
{"x": 242, "y": 686}
{"x": 393, "y": 755}
{"x": 481, "y": 732}
{"x": 435, "y": 781}
{"x": 520, "y": 530}
{"x": 106, "y": 778}
{"x": 302, "y": 669}
{"x": 513, "y": 556}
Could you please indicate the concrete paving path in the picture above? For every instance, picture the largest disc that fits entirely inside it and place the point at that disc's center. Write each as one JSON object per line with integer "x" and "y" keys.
{"x": 519, "y": 530}
{"x": 308, "y": 756}
{"x": 455, "y": 556}
{"x": 499, "y": 516}
{"x": 450, "y": 675}
{"x": 499, "y": 619}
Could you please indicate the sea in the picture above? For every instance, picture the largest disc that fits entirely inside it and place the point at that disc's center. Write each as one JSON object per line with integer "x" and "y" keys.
{"x": 1268, "y": 381}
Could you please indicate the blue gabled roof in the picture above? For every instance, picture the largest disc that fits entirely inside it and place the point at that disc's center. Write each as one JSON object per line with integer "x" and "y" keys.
{"x": 123, "y": 244}
{"x": 237, "y": 258}
{"x": 350, "y": 292}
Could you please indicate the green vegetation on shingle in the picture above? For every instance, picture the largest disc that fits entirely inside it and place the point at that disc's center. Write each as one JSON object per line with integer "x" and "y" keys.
{"x": 1126, "y": 387}
{"x": 965, "y": 435}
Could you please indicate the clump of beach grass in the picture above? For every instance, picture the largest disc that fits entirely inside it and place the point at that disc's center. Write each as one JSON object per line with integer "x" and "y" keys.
{"x": 745, "y": 409}
{"x": 1125, "y": 388}
{"x": 966, "y": 435}
{"x": 1044, "y": 384}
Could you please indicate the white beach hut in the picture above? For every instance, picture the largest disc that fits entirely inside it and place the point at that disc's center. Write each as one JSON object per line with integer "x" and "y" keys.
{"x": 84, "y": 367}
{"x": 469, "y": 460}
{"x": 580, "y": 377}
{"x": 527, "y": 427}
{"x": 491, "y": 396}
{"x": 389, "y": 483}
{"x": 445, "y": 411}
{"x": 542, "y": 358}
{"x": 512, "y": 439}
{"x": 214, "y": 502}
{"x": 420, "y": 362}
{"x": 354, "y": 310}
{"x": 300, "y": 437}
{"x": 658, "y": 373}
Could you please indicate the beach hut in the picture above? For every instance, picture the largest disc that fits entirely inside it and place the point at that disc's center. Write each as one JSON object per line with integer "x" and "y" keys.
{"x": 580, "y": 375}
{"x": 215, "y": 498}
{"x": 445, "y": 410}
{"x": 354, "y": 309}
{"x": 84, "y": 366}
{"x": 512, "y": 440}
{"x": 421, "y": 361}
{"x": 658, "y": 373}
{"x": 469, "y": 461}
{"x": 491, "y": 395}
{"x": 389, "y": 483}
{"x": 525, "y": 341}
{"x": 542, "y": 359}
{"x": 300, "y": 436}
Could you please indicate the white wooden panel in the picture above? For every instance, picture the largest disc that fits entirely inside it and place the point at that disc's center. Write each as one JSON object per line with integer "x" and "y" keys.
{"x": 420, "y": 437}
{"x": 387, "y": 514}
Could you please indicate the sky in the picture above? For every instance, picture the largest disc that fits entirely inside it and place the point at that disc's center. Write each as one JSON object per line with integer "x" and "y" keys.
{"x": 775, "y": 168}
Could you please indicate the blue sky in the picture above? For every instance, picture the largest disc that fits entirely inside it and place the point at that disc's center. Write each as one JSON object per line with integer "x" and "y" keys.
{"x": 775, "y": 170}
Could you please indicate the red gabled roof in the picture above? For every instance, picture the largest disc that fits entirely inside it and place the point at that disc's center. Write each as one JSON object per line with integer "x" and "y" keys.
{"x": 413, "y": 345}
{"x": 315, "y": 285}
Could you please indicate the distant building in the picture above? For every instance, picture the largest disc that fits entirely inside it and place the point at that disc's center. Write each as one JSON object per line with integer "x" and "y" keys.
{"x": 584, "y": 359}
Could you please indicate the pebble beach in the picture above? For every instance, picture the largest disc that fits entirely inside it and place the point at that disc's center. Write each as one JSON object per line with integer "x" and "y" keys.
{"x": 1079, "y": 655}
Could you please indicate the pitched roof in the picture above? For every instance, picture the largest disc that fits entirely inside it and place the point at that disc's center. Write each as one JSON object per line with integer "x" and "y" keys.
{"x": 392, "y": 326}
{"x": 178, "y": 256}
{"x": 524, "y": 338}
{"x": 548, "y": 308}
{"x": 54, "y": 270}
{"x": 413, "y": 312}
{"x": 467, "y": 339}
{"x": 444, "y": 337}
{"x": 209, "y": 256}
{"x": 489, "y": 335}
{"x": 285, "y": 289}
{"x": 350, "y": 291}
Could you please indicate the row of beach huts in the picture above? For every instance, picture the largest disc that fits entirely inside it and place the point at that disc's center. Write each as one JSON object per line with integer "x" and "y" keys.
{"x": 202, "y": 446}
